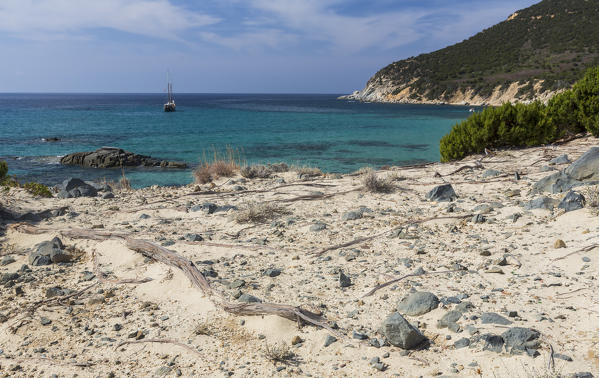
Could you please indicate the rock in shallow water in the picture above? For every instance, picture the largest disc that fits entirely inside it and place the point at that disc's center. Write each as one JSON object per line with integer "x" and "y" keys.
{"x": 111, "y": 157}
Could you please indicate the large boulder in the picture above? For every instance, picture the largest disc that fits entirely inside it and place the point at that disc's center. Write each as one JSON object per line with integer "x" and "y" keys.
{"x": 521, "y": 339}
{"x": 74, "y": 187}
{"x": 442, "y": 193}
{"x": 418, "y": 303}
{"x": 583, "y": 171}
{"x": 48, "y": 252}
{"x": 111, "y": 157}
{"x": 542, "y": 202}
{"x": 400, "y": 333}
{"x": 558, "y": 182}
{"x": 586, "y": 168}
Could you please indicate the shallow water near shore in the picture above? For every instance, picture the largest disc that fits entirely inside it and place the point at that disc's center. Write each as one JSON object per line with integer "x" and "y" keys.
{"x": 312, "y": 130}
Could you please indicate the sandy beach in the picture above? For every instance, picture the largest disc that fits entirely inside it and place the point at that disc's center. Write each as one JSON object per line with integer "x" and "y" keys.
{"x": 165, "y": 281}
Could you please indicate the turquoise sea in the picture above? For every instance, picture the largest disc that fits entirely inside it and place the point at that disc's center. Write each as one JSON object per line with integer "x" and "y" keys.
{"x": 313, "y": 130}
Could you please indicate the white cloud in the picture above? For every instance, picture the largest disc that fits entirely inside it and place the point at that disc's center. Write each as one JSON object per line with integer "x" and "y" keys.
{"x": 46, "y": 19}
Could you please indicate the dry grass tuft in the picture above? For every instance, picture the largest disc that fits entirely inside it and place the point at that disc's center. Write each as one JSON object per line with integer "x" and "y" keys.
{"x": 591, "y": 196}
{"x": 374, "y": 184}
{"x": 256, "y": 171}
{"x": 279, "y": 352}
{"x": 220, "y": 165}
{"x": 124, "y": 183}
{"x": 260, "y": 213}
{"x": 308, "y": 172}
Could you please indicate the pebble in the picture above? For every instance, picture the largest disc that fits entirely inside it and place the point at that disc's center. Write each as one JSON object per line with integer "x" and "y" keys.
{"x": 344, "y": 281}
{"x": 329, "y": 340}
{"x": 559, "y": 243}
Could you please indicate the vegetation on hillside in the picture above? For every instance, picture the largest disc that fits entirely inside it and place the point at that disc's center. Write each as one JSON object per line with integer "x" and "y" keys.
{"x": 519, "y": 125}
{"x": 551, "y": 43}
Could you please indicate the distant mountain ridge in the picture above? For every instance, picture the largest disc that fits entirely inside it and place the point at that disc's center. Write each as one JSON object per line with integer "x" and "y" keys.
{"x": 535, "y": 53}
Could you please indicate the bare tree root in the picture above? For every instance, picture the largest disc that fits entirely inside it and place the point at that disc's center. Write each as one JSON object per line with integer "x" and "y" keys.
{"x": 160, "y": 341}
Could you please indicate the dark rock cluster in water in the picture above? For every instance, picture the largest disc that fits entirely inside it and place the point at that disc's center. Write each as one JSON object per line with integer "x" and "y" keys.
{"x": 111, "y": 157}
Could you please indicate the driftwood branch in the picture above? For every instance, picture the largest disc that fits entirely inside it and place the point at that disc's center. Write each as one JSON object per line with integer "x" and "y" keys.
{"x": 371, "y": 237}
{"x": 477, "y": 165}
{"x": 168, "y": 257}
{"x": 585, "y": 249}
{"x": 388, "y": 283}
{"x": 159, "y": 341}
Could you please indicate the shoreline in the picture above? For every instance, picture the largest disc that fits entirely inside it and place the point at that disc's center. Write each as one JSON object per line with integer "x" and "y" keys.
{"x": 301, "y": 232}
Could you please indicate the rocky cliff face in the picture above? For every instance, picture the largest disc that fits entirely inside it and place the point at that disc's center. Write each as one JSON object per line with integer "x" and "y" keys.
{"x": 386, "y": 91}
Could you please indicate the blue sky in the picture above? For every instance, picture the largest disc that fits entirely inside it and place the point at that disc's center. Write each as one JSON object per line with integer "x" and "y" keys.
{"x": 225, "y": 46}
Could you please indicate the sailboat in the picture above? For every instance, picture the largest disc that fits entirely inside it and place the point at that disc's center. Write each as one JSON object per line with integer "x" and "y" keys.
{"x": 170, "y": 104}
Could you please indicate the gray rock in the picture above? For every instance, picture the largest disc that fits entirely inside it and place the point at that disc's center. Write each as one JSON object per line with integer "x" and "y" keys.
{"x": 193, "y": 237}
{"x": 272, "y": 272}
{"x": 329, "y": 340}
{"x": 493, "y": 343}
{"x": 584, "y": 374}
{"x": 542, "y": 202}
{"x": 521, "y": 338}
{"x": 442, "y": 193}
{"x": 449, "y": 318}
{"x": 562, "y": 159}
{"x": 558, "y": 182}
{"x": 49, "y": 252}
{"x": 45, "y": 321}
{"x": 351, "y": 215}
{"x": 344, "y": 281}
{"x": 6, "y": 260}
{"x": 483, "y": 209}
{"x": 586, "y": 167}
{"x": 400, "y": 333}
{"x": 359, "y": 336}
{"x": 418, "y": 303}
{"x": 461, "y": 343}
{"x": 111, "y": 157}
{"x": 478, "y": 218}
{"x": 144, "y": 216}
{"x": 563, "y": 357}
{"x": 493, "y": 318}
{"x": 207, "y": 207}
{"x": 74, "y": 187}
{"x": 316, "y": 227}
{"x": 572, "y": 201}
{"x": 107, "y": 195}
{"x": 491, "y": 173}
{"x": 6, "y": 277}
{"x": 248, "y": 298}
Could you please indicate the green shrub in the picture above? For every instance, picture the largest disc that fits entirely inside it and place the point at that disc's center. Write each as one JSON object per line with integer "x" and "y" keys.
{"x": 507, "y": 125}
{"x": 524, "y": 125}
{"x": 3, "y": 169}
{"x": 586, "y": 92}
{"x": 38, "y": 189}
